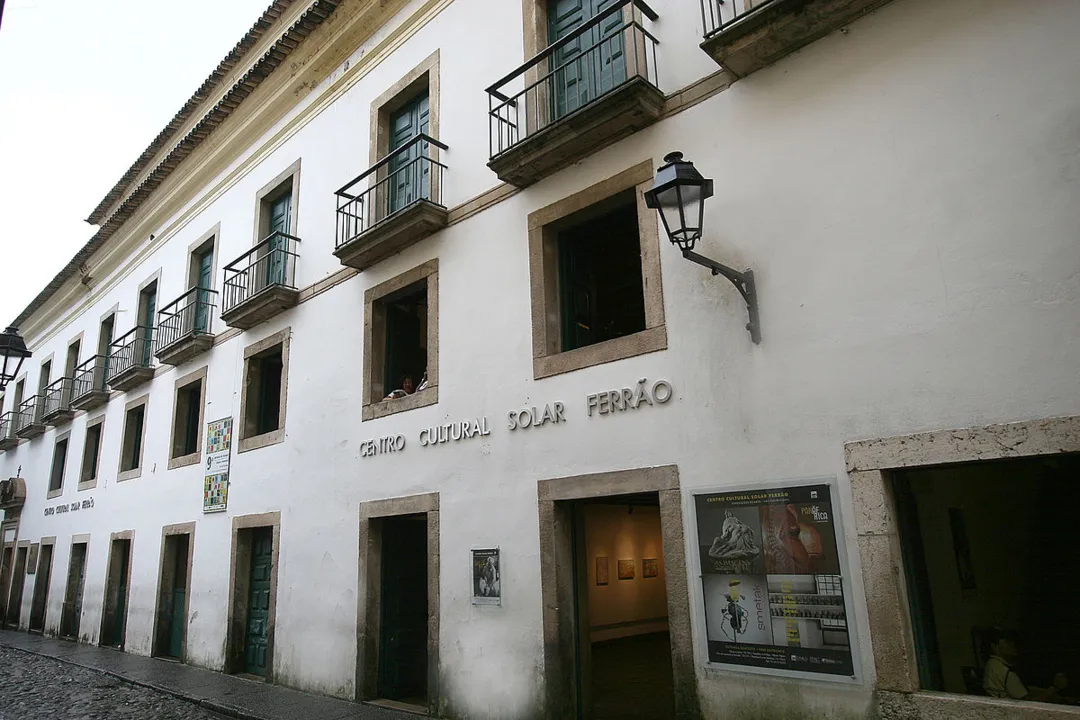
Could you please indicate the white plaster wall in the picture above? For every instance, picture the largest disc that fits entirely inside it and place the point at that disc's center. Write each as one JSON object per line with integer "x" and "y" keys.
{"x": 905, "y": 193}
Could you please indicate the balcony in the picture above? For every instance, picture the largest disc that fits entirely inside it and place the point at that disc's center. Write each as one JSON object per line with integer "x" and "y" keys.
{"x": 28, "y": 422}
{"x": 584, "y": 92}
{"x": 57, "y": 399}
{"x": 747, "y": 35}
{"x": 12, "y": 493}
{"x": 90, "y": 389}
{"x": 131, "y": 359}
{"x": 183, "y": 329}
{"x": 261, "y": 283}
{"x": 8, "y": 438}
{"x": 401, "y": 204}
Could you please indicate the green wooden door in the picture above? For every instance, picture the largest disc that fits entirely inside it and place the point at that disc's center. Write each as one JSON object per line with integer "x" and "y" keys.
{"x": 144, "y": 353}
{"x": 177, "y": 597}
{"x": 280, "y": 222}
{"x": 581, "y": 71}
{"x": 408, "y": 177}
{"x": 258, "y": 615}
{"x": 204, "y": 282}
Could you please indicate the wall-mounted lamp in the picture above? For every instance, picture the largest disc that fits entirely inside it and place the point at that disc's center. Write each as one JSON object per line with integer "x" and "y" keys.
{"x": 679, "y": 193}
{"x": 13, "y": 351}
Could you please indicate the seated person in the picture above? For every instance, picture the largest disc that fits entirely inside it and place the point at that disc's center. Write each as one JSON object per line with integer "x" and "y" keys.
{"x": 1000, "y": 680}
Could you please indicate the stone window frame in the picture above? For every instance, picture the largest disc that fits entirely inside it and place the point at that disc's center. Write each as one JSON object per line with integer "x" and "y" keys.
{"x": 78, "y": 338}
{"x": 179, "y": 461}
{"x": 271, "y": 191}
{"x": 212, "y": 239}
{"x": 47, "y": 360}
{"x": 121, "y": 474}
{"x": 60, "y": 437}
{"x": 238, "y": 595}
{"x": 254, "y": 442}
{"x": 869, "y": 465}
{"x": 99, "y": 422}
{"x": 375, "y": 343}
{"x": 369, "y": 579}
{"x": 557, "y": 582}
{"x": 128, "y": 535}
{"x": 164, "y": 575}
{"x": 548, "y": 358}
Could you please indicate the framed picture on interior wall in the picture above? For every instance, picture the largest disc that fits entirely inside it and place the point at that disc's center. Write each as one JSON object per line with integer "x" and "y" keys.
{"x": 601, "y": 570}
{"x": 649, "y": 568}
{"x": 486, "y": 577}
{"x": 965, "y": 568}
{"x": 626, "y": 569}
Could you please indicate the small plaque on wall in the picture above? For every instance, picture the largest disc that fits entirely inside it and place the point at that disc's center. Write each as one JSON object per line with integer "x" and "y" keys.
{"x": 601, "y": 570}
{"x": 486, "y": 577}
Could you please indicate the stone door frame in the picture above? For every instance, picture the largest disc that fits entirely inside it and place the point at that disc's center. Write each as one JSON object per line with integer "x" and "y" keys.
{"x": 557, "y": 581}
{"x": 869, "y": 464}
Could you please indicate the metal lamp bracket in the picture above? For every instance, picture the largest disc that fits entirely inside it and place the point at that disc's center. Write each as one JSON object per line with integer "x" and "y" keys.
{"x": 743, "y": 282}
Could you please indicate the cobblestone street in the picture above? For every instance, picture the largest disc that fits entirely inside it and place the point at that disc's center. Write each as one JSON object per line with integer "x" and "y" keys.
{"x": 39, "y": 688}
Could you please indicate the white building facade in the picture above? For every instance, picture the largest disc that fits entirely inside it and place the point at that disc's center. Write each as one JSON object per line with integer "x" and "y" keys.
{"x": 903, "y": 188}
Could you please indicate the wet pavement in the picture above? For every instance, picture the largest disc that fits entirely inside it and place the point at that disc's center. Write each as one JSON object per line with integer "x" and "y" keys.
{"x": 47, "y": 679}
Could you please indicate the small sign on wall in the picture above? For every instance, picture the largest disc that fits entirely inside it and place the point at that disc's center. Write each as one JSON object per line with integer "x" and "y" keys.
{"x": 216, "y": 478}
{"x": 486, "y": 577}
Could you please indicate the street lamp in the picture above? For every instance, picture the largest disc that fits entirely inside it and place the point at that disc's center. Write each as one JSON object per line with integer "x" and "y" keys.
{"x": 679, "y": 193}
{"x": 13, "y": 351}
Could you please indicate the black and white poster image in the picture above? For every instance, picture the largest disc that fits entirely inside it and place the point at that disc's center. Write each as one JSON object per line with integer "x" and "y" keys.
{"x": 486, "y": 577}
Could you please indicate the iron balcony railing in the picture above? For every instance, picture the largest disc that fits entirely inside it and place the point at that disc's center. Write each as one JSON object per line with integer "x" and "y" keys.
{"x": 7, "y": 425}
{"x": 187, "y": 316}
{"x": 132, "y": 349}
{"x": 91, "y": 376}
{"x": 719, "y": 15}
{"x": 58, "y": 397}
{"x": 29, "y": 413}
{"x": 599, "y": 56}
{"x": 271, "y": 263}
{"x": 405, "y": 176}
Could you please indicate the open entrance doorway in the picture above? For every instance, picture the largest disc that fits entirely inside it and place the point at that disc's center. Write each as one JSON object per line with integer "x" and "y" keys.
{"x": 14, "y": 606}
{"x": 117, "y": 581}
{"x": 174, "y": 585}
{"x": 6, "y": 562}
{"x": 403, "y": 604}
{"x": 71, "y": 615}
{"x": 992, "y": 564}
{"x": 40, "y": 601}
{"x": 620, "y": 591}
{"x": 617, "y": 640}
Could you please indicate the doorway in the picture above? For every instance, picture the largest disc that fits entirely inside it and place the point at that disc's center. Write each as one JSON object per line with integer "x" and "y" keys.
{"x": 117, "y": 581}
{"x": 617, "y": 640}
{"x": 14, "y": 607}
{"x": 40, "y": 601}
{"x": 252, "y": 610}
{"x": 403, "y": 635}
{"x": 71, "y": 614}
{"x": 5, "y": 576}
{"x": 174, "y": 584}
{"x": 590, "y": 65}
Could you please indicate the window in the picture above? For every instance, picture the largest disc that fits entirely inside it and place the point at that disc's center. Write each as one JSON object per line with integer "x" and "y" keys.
{"x": 146, "y": 321}
{"x": 91, "y": 454}
{"x": 56, "y": 477}
{"x": 131, "y": 448}
{"x": 72, "y": 358}
{"x": 187, "y": 419}
{"x": 201, "y": 276}
{"x": 594, "y": 261}
{"x": 401, "y": 357}
{"x": 20, "y": 388}
{"x": 45, "y": 376}
{"x": 266, "y": 370}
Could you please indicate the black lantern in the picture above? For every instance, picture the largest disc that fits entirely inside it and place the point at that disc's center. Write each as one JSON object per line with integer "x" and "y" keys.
{"x": 679, "y": 193}
{"x": 13, "y": 351}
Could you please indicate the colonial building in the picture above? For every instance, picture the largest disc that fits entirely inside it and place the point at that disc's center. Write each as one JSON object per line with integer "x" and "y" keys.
{"x": 384, "y": 378}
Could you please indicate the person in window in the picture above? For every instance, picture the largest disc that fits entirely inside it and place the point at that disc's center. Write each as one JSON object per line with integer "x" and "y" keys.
{"x": 1000, "y": 680}
{"x": 407, "y": 388}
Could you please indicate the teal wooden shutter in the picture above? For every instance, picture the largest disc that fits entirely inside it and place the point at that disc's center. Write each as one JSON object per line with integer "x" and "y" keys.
{"x": 150, "y": 308}
{"x": 409, "y": 178}
{"x": 280, "y": 222}
{"x": 580, "y": 75}
{"x": 204, "y": 282}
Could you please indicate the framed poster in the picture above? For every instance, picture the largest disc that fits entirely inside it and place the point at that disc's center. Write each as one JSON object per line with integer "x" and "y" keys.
{"x": 649, "y": 568}
{"x": 486, "y": 577}
{"x": 773, "y": 586}
{"x": 601, "y": 570}
{"x": 216, "y": 476}
{"x": 626, "y": 569}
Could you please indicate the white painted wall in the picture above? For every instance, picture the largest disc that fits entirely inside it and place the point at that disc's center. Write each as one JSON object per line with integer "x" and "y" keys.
{"x": 905, "y": 193}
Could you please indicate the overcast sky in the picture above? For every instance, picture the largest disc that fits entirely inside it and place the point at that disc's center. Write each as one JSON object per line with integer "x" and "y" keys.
{"x": 85, "y": 85}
